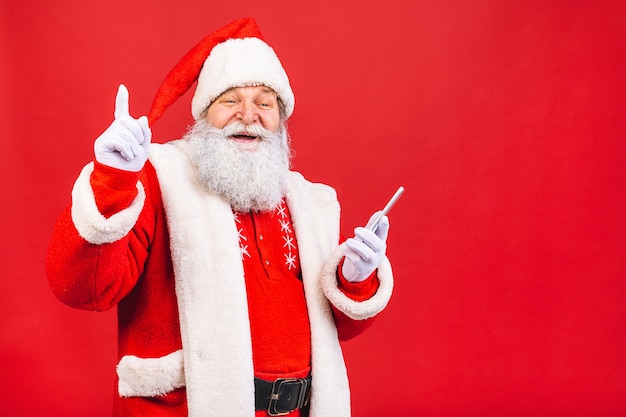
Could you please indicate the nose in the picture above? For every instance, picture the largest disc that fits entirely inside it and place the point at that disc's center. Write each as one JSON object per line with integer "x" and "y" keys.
{"x": 248, "y": 113}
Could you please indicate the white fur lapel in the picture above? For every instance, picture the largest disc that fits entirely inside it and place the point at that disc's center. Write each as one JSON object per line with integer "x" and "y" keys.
{"x": 315, "y": 215}
{"x": 210, "y": 288}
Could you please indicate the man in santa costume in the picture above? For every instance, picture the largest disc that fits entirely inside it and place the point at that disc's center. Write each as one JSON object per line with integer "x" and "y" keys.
{"x": 231, "y": 286}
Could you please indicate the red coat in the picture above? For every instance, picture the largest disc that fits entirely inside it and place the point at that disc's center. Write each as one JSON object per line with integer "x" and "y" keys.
{"x": 167, "y": 255}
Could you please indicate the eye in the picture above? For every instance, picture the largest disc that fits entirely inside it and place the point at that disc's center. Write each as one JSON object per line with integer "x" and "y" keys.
{"x": 228, "y": 100}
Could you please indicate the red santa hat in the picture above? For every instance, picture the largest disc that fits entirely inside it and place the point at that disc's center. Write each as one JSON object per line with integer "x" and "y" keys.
{"x": 233, "y": 56}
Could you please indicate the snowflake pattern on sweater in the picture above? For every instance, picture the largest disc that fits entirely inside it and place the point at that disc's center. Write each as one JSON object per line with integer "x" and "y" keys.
{"x": 279, "y": 222}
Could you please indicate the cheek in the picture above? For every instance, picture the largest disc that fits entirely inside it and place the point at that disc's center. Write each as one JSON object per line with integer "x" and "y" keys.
{"x": 272, "y": 122}
{"x": 218, "y": 119}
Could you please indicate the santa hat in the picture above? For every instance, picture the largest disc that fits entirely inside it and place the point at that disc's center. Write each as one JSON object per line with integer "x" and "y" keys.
{"x": 233, "y": 56}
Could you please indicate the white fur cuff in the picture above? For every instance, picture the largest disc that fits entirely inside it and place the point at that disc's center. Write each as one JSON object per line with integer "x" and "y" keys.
{"x": 150, "y": 377}
{"x": 354, "y": 309}
{"x": 90, "y": 223}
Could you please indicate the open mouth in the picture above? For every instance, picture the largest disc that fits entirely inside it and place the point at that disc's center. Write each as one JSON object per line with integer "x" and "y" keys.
{"x": 246, "y": 140}
{"x": 244, "y": 137}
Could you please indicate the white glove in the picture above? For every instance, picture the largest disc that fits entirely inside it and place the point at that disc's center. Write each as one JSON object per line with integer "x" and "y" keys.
{"x": 366, "y": 250}
{"x": 126, "y": 142}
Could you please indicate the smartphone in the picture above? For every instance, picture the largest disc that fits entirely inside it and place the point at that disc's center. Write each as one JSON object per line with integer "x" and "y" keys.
{"x": 387, "y": 207}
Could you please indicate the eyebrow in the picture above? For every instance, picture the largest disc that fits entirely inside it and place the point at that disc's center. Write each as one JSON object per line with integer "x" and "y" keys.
{"x": 267, "y": 90}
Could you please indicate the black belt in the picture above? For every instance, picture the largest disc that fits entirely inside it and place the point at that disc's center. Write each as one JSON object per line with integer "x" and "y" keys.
{"x": 282, "y": 396}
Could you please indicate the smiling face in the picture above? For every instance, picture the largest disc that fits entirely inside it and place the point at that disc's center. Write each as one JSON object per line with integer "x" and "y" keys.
{"x": 253, "y": 105}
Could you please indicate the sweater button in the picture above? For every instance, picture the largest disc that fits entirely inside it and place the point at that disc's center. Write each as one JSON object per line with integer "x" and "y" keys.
{"x": 267, "y": 262}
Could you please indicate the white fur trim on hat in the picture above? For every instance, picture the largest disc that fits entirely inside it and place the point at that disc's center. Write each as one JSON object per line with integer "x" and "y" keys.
{"x": 240, "y": 63}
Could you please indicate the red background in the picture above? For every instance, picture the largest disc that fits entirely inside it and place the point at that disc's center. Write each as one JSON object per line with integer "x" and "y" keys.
{"x": 504, "y": 120}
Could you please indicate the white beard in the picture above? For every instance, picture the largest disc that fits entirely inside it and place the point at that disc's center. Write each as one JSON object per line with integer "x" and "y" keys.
{"x": 250, "y": 180}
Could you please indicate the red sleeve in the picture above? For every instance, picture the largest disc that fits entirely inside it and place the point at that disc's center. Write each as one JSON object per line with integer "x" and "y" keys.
{"x": 357, "y": 291}
{"x": 113, "y": 189}
{"x": 98, "y": 276}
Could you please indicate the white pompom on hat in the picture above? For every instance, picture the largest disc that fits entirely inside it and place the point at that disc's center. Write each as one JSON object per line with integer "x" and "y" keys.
{"x": 233, "y": 56}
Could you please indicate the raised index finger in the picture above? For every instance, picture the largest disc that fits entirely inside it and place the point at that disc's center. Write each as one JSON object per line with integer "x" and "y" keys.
{"x": 121, "y": 102}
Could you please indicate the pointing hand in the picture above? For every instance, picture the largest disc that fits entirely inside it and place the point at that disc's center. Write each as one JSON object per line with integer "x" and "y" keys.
{"x": 126, "y": 142}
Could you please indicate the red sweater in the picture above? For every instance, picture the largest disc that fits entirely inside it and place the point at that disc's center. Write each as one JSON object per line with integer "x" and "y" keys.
{"x": 281, "y": 340}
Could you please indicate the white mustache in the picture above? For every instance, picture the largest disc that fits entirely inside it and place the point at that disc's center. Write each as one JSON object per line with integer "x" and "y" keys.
{"x": 238, "y": 128}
